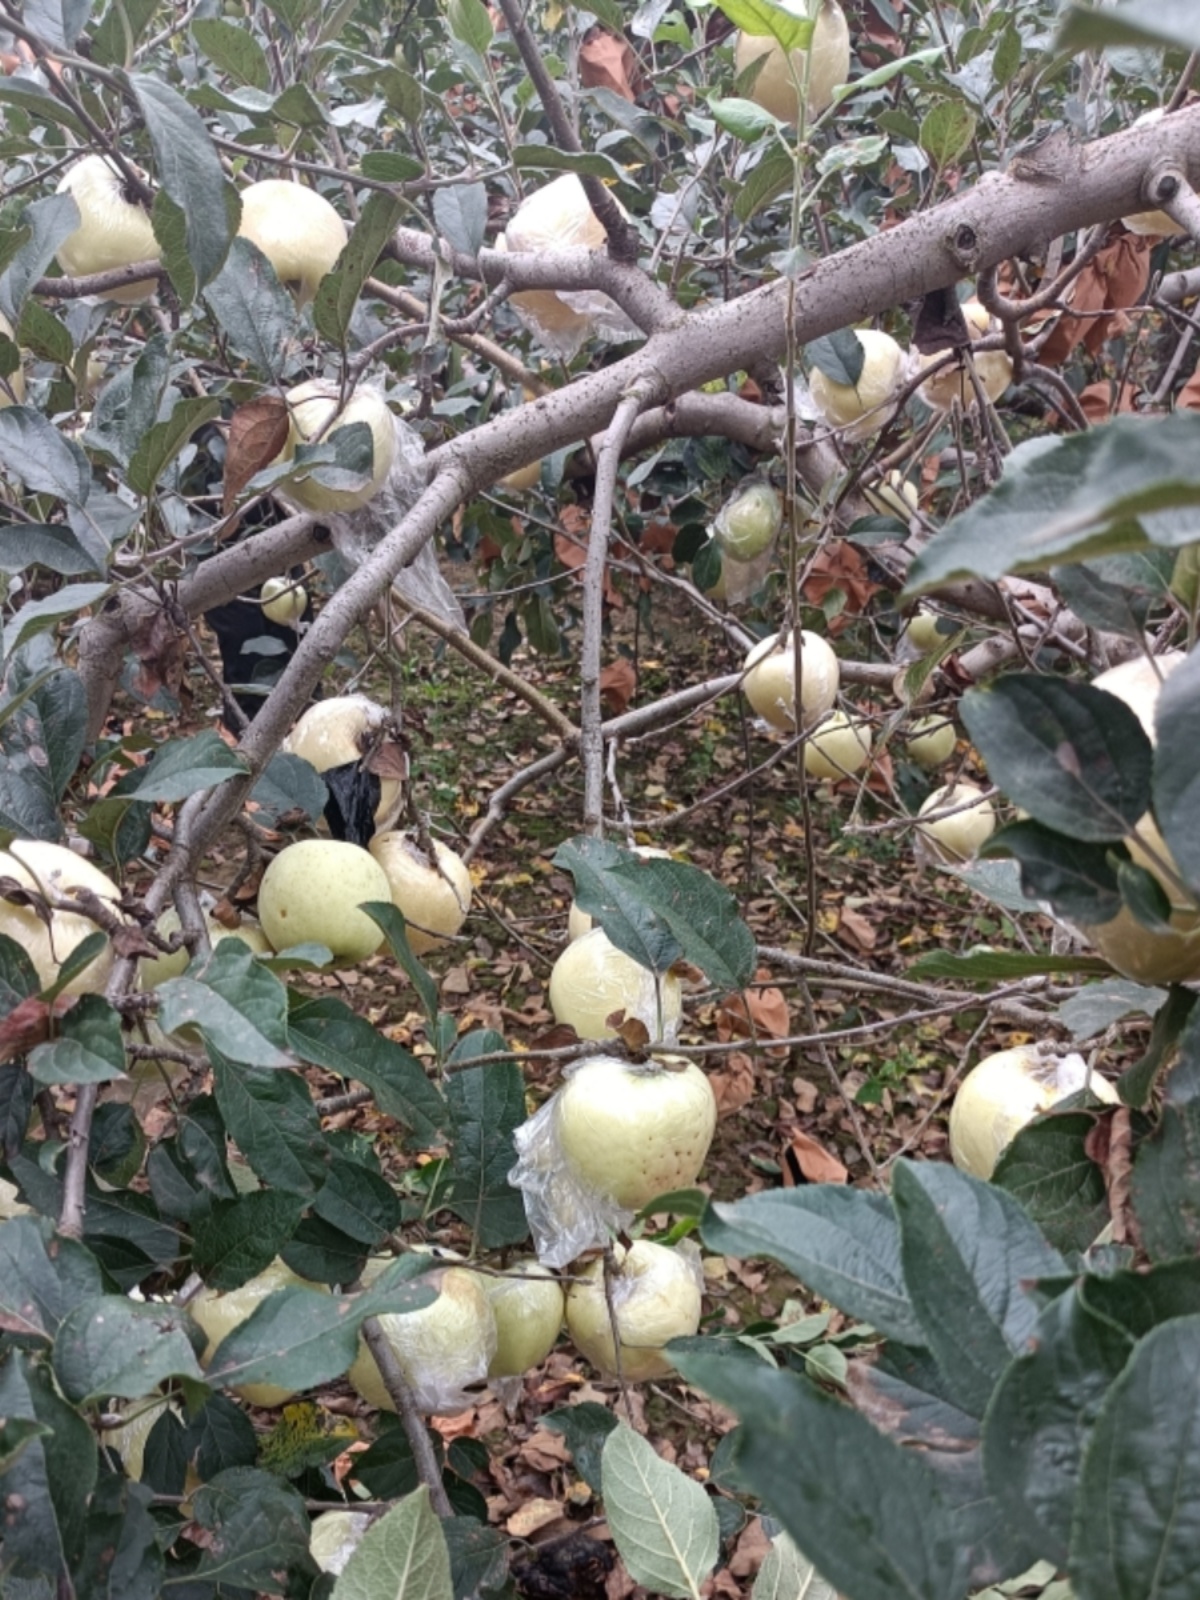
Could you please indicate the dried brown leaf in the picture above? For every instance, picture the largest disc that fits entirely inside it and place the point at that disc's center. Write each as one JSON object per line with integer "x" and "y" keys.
{"x": 258, "y": 431}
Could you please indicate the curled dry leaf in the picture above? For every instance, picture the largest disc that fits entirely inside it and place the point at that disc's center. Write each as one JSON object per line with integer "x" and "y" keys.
{"x": 806, "y": 1160}
{"x": 755, "y": 1014}
{"x": 618, "y": 685}
{"x": 608, "y": 62}
{"x": 735, "y": 1085}
{"x": 1112, "y": 281}
{"x": 840, "y": 566}
{"x": 258, "y": 431}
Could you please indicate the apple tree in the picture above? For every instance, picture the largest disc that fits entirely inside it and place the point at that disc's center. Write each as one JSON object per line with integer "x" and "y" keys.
{"x": 858, "y": 335}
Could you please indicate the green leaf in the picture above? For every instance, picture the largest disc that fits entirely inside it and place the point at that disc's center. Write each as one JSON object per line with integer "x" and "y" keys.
{"x": 1042, "y": 1415}
{"x": 743, "y": 118}
{"x": 1137, "y": 1519}
{"x": 656, "y": 911}
{"x": 44, "y": 335}
{"x": 470, "y": 24}
{"x": 189, "y": 171}
{"x": 992, "y": 966}
{"x": 289, "y": 784}
{"x": 358, "y": 1201}
{"x": 485, "y": 1105}
{"x": 47, "y": 739}
{"x": 762, "y": 19}
{"x": 18, "y": 978}
{"x": 237, "y": 1239}
{"x": 271, "y": 1117}
{"x": 869, "y": 1513}
{"x": 119, "y": 30}
{"x": 41, "y": 545}
{"x": 947, "y": 131}
{"x": 90, "y": 1048}
{"x": 586, "y": 164}
{"x": 404, "y": 1554}
{"x": 235, "y": 50}
{"x": 163, "y": 442}
{"x": 1047, "y": 1168}
{"x": 298, "y": 1338}
{"x": 16, "y": 1434}
{"x": 1166, "y": 1169}
{"x": 34, "y": 451}
{"x": 254, "y": 1527}
{"x": 663, "y": 1524}
{"x": 1079, "y": 880}
{"x": 774, "y": 175}
{"x": 338, "y": 292}
{"x": 1170, "y": 23}
{"x": 1076, "y": 758}
{"x": 1098, "y": 1005}
{"x": 37, "y": 102}
{"x": 327, "y": 1033}
{"x": 969, "y": 1255}
{"x": 127, "y": 406}
{"x": 390, "y": 166}
{"x": 111, "y": 1345}
{"x": 840, "y": 356}
{"x": 1176, "y": 782}
{"x": 45, "y": 1491}
{"x": 786, "y": 1574}
{"x": 1070, "y": 499}
{"x": 1116, "y": 593}
{"x": 190, "y": 1003}
{"x": 1137, "y": 1082}
{"x": 38, "y": 1289}
{"x": 461, "y": 211}
{"x": 585, "y": 1427}
{"x": 255, "y": 312}
{"x": 391, "y": 920}
{"x": 231, "y": 970}
{"x": 44, "y": 224}
{"x": 122, "y": 1556}
{"x": 842, "y": 1244}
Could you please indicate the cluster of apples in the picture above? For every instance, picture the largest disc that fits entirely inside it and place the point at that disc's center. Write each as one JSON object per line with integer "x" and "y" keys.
{"x": 302, "y": 237}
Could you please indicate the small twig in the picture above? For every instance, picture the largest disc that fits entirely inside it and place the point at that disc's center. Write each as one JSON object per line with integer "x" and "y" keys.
{"x": 413, "y": 1423}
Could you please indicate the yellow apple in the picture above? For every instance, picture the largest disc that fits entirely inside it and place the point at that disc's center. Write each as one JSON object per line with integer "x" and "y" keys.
{"x": 592, "y": 979}
{"x": 313, "y": 409}
{"x": 930, "y": 742}
{"x": 527, "y": 1303}
{"x": 952, "y": 382}
{"x": 655, "y": 1297}
{"x": 769, "y": 681}
{"x": 283, "y": 600}
{"x": 957, "y": 838}
{"x": 219, "y": 1313}
{"x": 1006, "y": 1091}
{"x": 297, "y": 230}
{"x": 56, "y": 872}
{"x": 441, "y": 1349}
{"x": 337, "y": 731}
{"x": 861, "y": 408}
{"x": 311, "y": 893}
{"x": 838, "y": 748}
{"x": 775, "y": 87}
{"x": 433, "y": 900}
{"x": 113, "y": 230}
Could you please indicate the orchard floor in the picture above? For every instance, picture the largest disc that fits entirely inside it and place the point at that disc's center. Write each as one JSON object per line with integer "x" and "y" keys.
{"x": 872, "y": 1082}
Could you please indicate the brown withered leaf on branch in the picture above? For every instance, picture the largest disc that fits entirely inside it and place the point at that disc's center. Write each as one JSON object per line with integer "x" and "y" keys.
{"x": 840, "y": 566}
{"x": 1097, "y": 401}
{"x": 1112, "y": 281}
{"x": 258, "y": 431}
{"x": 26, "y": 1025}
{"x": 806, "y": 1160}
{"x": 607, "y": 62}
{"x": 618, "y": 685}
{"x": 160, "y": 649}
{"x": 755, "y": 1014}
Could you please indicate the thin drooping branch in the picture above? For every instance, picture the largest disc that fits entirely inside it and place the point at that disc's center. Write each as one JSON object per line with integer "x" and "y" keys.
{"x": 411, "y": 1421}
{"x": 591, "y": 736}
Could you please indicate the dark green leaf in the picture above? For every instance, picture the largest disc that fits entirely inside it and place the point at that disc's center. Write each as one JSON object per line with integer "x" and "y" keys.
{"x": 18, "y": 979}
{"x": 338, "y": 293}
{"x": 163, "y": 442}
{"x": 842, "y": 1244}
{"x": 36, "y": 1290}
{"x": 478, "y": 1557}
{"x": 774, "y": 174}
{"x": 1042, "y": 1415}
{"x": 255, "y": 312}
{"x": 90, "y": 1048}
{"x": 1137, "y": 1520}
{"x": 391, "y": 920}
{"x": 485, "y": 1105}
{"x": 324, "y": 1254}
{"x": 359, "y": 1202}
{"x": 289, "y": 784}
{"x": 235, "y": 50}
{"x": 189, "y": 170}
{"x": 45, "y": 1492}
{"x": 947, "y": 131}
{"x": 1098, "y": 1005}
{"x": 40, "y": 545}
{"x": 867, "y": 1512}
{"x": 34, "y": 451}
{"x": 390, "y": 166}
{"x": 1137, "y": 1081}
{"x": 1166, "y": 1170}
{"x": 969, "y": 1253}
{"x": 237, "y": 1239}
{"x": 112, "y": 1345}
{"x": 79, "y": 960}
{"x": 1176, "y": 785}
{"x": 122, "y": 1559}
{"x": 43, "y": 335}
{"x": 222, "y": 1023}
{"x": 329, "y": 1034}
{"x": 127, "y": 406}
{"x": 1069, "y": 499}
{"x": 255, "y": 1528}
{"x": 1116, "y": 593}
{"x": 840, "y": 356}
{"x": 37, "y": 102}
{"x": 117, "y": 34}
{"x": 46, "y": 738}
{"x": 271, "y": 1118}
{"x": 298, "y": 1338}
{"x": 1076, "y": 758}
{"x": 45, "y": 224}
{"x": 585, "y": 1427}
{"x": 16, "y": 1434}
{"x": 1047, "y": 1168}
{"x": 1079, "y": 880}
{"x": 218, "y": 1437}
{"x": 1136, "y": 22}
